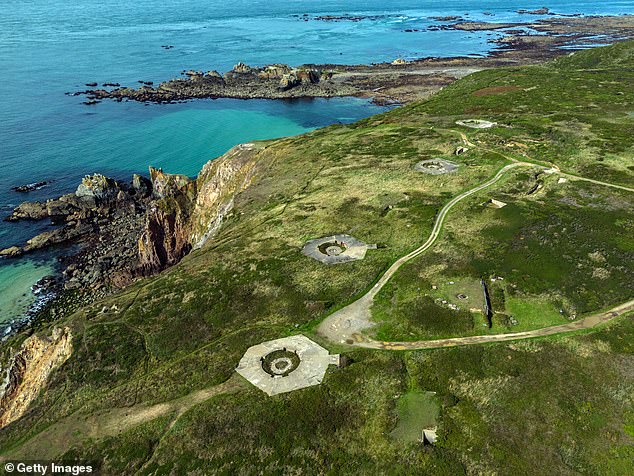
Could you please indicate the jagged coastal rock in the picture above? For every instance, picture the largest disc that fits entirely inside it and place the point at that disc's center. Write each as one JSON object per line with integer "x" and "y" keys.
{"x": 165, "y": 237}
{"x": 188, "y": 212}
{"x": 128, "y": 230}
{"x": 243, "y": 81}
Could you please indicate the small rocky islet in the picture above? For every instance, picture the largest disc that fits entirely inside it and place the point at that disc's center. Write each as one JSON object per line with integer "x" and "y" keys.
{"x": 242, "y": 82}
{"x": 30, "y": 187}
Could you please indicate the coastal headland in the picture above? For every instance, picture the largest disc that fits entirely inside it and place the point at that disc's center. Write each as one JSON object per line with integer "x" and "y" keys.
{"x": 398, "y": 81}
{"x": 144, "y": 381}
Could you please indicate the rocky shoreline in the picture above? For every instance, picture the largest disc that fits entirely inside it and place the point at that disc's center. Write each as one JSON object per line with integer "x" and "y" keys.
{"x": 101, "y": 219}
{"x": 399, "y": 81}
{"x": 120, "y": 232}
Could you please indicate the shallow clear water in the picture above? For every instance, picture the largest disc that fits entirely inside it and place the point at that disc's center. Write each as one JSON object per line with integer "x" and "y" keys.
{"x": 15, "y": 290}
{"x": 50, "y": 47}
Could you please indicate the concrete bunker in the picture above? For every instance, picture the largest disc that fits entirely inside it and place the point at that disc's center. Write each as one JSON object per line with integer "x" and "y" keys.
{"x": 286, "y": 364}
{"x": 436, "y": 166}
{"x": 476, "y": 123}
{"x": 336, "y": 249}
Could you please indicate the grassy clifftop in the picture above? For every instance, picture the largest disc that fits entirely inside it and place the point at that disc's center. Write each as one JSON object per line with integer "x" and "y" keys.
{"x": 142, "y": 358}
{"x": 618, "y": 56}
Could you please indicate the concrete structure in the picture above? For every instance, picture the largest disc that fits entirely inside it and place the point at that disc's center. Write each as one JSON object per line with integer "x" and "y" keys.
{"x": 429, "y": 436}
{"x": 476, "y": 123}
{"x": 493, "y": 203}
{"x": 436, "y": 166}
{"x": 281, "y": 377}
{"x": 336, "y": 249}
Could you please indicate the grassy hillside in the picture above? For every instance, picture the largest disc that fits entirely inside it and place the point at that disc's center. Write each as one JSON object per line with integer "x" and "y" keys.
{"x": 554, "y": 406}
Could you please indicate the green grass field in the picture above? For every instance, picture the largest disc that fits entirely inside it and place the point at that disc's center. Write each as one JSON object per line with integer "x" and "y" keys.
{"x": 560, "y": 405}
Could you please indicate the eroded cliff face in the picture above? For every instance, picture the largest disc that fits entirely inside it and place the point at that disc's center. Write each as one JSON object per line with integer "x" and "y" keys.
{"x": 220, "y": 181}
{"x": 30, "y": 370}
{"x": 185, "y": 212}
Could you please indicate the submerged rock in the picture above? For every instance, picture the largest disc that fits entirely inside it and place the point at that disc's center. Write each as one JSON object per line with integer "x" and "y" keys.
{"x": 12, "y": 251}
{"x": 30, "y": 187}
{"x": 539, "y": 11}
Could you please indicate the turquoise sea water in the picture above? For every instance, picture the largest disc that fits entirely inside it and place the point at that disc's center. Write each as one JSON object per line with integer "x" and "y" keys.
{"x": 49, "y": 47}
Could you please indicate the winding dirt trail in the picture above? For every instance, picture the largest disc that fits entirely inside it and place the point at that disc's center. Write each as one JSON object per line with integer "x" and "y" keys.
{"x": 596, "y": 182}
{"x": 346, "y": 325}
{"x": 78, "y": 428}
{"x": 585, "y": 323}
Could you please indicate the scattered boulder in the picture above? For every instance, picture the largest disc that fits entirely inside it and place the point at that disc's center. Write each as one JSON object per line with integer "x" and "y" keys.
{"x": 98, "y": 186}
{"x": 274, "y": 71}
{"x": 242, "y": 68}
{"x": 214, "y": 76}
{"x": 57, "y": 236}
{"x": 288, "y": 81}
{"x": 307, "y": 76}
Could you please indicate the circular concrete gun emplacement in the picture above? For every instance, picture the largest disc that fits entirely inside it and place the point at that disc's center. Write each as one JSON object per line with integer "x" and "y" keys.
{"x": 336, "y": 249}
{"x": 436, "y": 166}
{"x": 286, "y": 364}
{"x": 476, "y": 123}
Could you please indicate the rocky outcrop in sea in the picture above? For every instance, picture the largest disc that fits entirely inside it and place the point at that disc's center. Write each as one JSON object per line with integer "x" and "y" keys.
{"x": 242, "y": 82}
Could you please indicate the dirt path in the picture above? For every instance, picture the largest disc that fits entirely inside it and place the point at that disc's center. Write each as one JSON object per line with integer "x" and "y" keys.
{"x": 347, "y": 324}
{"x": 597, "y": 182}
{"x": 76, "y": 428}
{"x": 585, "y": 323}
{"x": 456, "y": 72}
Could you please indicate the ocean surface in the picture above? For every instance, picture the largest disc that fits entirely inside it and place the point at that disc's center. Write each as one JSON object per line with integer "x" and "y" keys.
{"x": 49, "y": 47}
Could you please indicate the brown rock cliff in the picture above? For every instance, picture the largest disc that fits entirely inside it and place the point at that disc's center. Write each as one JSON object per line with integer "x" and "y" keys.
{"x": 30, "y": 370}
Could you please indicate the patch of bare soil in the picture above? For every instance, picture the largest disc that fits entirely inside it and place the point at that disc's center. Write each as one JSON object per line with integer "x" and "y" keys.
{"x": 494, "y": 90}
